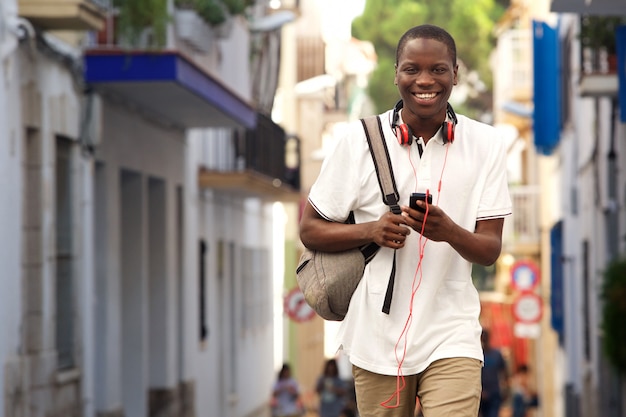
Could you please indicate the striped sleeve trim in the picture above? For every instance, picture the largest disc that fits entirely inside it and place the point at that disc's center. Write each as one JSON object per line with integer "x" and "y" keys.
{"x": 494, "y": 216}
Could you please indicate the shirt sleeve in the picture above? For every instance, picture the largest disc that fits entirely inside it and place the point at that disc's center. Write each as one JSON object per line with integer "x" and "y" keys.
{"x": 336, "y": 190}
{"x": 496, "y": 201}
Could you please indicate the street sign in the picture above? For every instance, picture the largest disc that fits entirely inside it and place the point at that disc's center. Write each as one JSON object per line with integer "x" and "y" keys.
{"x": 296, "y": 306}
{"x": 526, "y": 331}
{"x": 524, "y": 275}
{"x": 528, "y": 308}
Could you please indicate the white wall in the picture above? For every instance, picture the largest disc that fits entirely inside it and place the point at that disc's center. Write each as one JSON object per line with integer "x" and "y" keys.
{"x": 10, "y": 185}
{"x": 233, "y": 368}
{"x": 139, "y": 171}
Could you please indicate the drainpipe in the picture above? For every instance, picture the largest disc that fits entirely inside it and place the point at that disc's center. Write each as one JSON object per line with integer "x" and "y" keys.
{"x": 611, "y": 210}
{"x": 611, "y": 213}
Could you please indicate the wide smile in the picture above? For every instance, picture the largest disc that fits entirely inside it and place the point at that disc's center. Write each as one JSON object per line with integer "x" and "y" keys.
{"x": 424, "y": 96}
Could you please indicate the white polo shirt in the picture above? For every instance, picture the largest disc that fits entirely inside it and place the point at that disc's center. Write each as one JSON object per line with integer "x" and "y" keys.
{"x": 439, "y": 295}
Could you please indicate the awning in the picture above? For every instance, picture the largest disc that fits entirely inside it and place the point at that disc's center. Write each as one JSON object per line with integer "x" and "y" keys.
{"x": 169, "y": 86}
{"x": 591, "y": 7}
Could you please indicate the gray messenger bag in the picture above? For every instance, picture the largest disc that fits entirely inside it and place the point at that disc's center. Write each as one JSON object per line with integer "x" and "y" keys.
{"x": 328, "y": 279}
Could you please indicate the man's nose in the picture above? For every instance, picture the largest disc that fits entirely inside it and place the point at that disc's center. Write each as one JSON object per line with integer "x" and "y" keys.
{"x": 424, "y": 78}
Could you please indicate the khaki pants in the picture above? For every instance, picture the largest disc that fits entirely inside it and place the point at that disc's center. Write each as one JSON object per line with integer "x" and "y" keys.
{"x": 447, "y": 388}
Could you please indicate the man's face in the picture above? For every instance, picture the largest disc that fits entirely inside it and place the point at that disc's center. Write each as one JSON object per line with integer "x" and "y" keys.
{"x": 425, "y": 75}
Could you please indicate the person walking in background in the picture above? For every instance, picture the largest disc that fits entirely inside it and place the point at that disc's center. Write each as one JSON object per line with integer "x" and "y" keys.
{"x": 332, "y": 391}
{"x": 412, "y": 329}
{"x": 524, "y": 397}
{"x": 286, "y": 401}
{"x": 495, "y": 377}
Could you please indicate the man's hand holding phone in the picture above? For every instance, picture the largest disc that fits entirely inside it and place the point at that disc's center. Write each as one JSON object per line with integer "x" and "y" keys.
{"x": 421, "y": 197}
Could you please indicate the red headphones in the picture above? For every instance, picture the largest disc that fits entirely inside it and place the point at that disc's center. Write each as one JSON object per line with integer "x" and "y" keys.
{"x": 405, "y": 134}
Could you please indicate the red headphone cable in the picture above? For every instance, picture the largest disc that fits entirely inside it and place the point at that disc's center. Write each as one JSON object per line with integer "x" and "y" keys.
{"x": 417, "y": 281}
{"x": 400, "y": 382}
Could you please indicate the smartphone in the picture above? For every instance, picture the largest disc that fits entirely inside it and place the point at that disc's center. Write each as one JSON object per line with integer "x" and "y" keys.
{"x": 419, "y": 196}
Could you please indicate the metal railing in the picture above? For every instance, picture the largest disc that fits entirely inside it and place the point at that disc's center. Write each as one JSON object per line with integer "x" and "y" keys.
{"x": 523, "y": 227}
{"x": 266, "y": 150}
{"x": 269, "y": 151}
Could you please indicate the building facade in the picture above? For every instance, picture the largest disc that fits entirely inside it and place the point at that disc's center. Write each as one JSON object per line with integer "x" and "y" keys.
{"x": 142, "y": 239}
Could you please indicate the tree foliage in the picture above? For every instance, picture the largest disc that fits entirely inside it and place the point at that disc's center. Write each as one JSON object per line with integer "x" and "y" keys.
{"x": 614, "y": 313}
{"x": 469, "y": 22}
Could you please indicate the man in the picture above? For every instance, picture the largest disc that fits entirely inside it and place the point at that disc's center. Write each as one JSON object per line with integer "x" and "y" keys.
{"x": 495, "y": 377}
{"x": 428, "y": 344}
{"x": 524, "y": 398}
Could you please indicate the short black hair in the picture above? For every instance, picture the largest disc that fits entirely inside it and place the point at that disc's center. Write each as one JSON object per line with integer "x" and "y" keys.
{"x": 427, "y": 32}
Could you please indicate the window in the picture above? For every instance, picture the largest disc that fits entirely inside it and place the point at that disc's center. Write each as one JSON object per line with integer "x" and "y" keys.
{"x": 204, "y": 330}
{"x": 256, "y": 288}
{"x": 585, "y": 301}
{"x": 64, "y": 256}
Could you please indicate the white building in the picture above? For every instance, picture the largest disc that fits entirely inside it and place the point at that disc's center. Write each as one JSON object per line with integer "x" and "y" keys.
{"x": 591, "y": 152}
{"x": 139, "y": 230}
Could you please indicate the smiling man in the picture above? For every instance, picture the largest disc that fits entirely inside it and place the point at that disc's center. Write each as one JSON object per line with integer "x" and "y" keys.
{"x": 412, "y": 328}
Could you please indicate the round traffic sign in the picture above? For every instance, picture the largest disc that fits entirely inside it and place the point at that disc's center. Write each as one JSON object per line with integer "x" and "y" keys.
{"x": 528, "y": 308}
{"x": 525, "y": 275}
{"x": 296, "y": 306}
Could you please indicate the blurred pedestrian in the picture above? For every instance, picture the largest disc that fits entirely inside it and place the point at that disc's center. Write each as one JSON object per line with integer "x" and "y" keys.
{"x": 332, "y": 391}
{"x": 495, "y": 377}
{"x": 347, "y": 412}
{"x": 524, "y": 397}
{"x": 286, "y": 401}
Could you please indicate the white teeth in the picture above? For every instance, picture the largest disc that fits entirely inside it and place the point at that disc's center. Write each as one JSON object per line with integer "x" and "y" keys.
{"x": 425, "y": 96}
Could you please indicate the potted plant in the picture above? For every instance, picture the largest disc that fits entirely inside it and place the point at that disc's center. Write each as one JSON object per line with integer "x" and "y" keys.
{"x": 215, "y": 12}
{"x": 614, "y": 313}
{"x": 237, "y": 7}
{"x": 141, "y": 22}
{"x": 598, "y": 33}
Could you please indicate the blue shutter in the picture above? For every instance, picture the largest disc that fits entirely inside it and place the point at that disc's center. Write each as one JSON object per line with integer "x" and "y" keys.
{"x": 546, "y": 87}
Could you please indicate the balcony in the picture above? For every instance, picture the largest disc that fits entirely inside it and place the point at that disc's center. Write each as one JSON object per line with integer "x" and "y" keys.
{"x": 598, "y": 36}
{"x": 262, "y": 162}
{"x": 168, "y": 86}
{"x": 64, "y": 14}
{"x": 515, "y": 71}
{"x": 521, "y": 234}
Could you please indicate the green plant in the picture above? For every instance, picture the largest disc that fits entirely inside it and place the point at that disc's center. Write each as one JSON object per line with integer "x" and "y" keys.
{"x": 236, "y": 7}
{"x": 599, "y": 31}
{"x": 614, "y": 313}
{"x": 215, "y": 12}
{"x": 137, "y": 16}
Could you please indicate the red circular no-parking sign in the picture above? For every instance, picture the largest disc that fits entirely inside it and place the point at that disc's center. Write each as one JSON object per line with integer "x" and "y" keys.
{"x": 296, "y": 306}
{"x": 528, "y": 308}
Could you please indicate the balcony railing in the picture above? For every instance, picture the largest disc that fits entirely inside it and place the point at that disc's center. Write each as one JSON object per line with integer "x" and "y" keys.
{"x": 262, "y": 162}
{"x": 598, "y": 58}
{"x": 514, "y": 72}
{"x": 522, "y": 230}
{"x": 268, "y": 151}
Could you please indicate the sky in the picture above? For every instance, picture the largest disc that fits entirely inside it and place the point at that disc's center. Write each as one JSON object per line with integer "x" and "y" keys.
{"x": 337, "y": 16}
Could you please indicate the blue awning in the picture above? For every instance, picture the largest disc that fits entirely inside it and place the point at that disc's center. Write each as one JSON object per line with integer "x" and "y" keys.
{"x": 167, "y": 85}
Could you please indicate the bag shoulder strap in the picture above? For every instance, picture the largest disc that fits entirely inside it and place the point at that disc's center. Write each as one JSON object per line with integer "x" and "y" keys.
{"x": 382, "y": 163}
